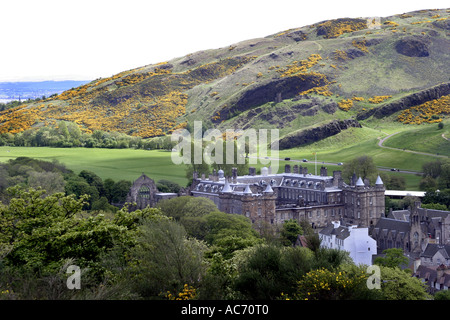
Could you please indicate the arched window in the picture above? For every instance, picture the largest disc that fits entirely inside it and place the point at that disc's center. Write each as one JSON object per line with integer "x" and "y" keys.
{"x": 416, "y": 239}
{"x": 144, "y": 192}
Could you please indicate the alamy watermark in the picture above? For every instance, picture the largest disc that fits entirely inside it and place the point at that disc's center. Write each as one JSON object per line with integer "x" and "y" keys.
{"x": 74, "y": 280}
{"x": 374, "y": 280}
{"x": 208, "y": 146}
{"x": 373, "y": 23}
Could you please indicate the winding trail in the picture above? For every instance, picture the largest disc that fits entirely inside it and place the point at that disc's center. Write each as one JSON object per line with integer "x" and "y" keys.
{"x": 382, "y": 140}
{"x": 443, "y": 136}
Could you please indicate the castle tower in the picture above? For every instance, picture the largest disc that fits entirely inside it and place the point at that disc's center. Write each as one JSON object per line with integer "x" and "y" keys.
{"x": 364, "y": 204}
{"x": 416, "y": 235}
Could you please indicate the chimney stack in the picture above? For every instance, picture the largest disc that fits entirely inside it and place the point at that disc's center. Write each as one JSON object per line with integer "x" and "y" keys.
{"x": 287, "y": 168}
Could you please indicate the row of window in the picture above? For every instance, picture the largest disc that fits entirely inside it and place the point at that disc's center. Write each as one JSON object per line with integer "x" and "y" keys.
{"x": 358, "y": 201}
{"x": 295, "y": 194}
{"x": 332, "y": 212}
{"x": 339, "y": 242}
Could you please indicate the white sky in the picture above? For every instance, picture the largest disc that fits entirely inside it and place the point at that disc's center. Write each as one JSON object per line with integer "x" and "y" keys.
{"x": 88, "y": 39}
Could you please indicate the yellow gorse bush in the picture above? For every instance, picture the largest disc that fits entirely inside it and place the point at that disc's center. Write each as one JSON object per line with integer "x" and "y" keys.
{"x": 299, "y": 67}
{"x": 428, "y": 112}
{"x": 378, "y": 99}
{"x": 153, "y": 109}
{"x": 188, "y": 293}
{"x": 335, "y": 28}
{"x": 323, "y": 284}
{"x": 345, "y": 104}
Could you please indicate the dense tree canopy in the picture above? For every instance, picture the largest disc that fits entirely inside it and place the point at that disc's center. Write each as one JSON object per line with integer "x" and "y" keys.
{"x": 362, "y": 166}
{"x": 183, "y": 249}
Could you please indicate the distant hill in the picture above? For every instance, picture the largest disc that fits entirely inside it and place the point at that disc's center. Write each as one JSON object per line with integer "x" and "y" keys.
{"x": 369, "y": 69}
{"x": 35, "y": 89}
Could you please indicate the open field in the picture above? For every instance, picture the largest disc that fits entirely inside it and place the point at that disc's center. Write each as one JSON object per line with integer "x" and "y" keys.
{"x": 129, "y": 164}
{"x": 424, "y": 139}
{"x": 345, "y": 146}
{"x": 382, "y": 157}
{"x": 117, "y": 164}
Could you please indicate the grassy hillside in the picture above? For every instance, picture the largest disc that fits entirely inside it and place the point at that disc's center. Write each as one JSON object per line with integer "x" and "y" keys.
{"x": 424, "y": 139}
{"x": 389, "y": 74}
{"x": 290, "y": 80}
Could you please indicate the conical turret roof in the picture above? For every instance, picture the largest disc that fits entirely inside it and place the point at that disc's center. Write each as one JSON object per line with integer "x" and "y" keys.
{"x": 379, "y": 181}
{"x": 359, "y": 183}
{"x": 227, "y": 188}
{"x": 268, "y": 189}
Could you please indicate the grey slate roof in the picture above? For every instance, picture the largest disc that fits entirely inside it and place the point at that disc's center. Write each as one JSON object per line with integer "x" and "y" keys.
{"x": 402, "y": 215}
{"x": 430, "y": 274}
{"x": 433, "y": 248}
{"x": 340, "y": 232}
{"x": 387, "y": 224}
{"x": 426, "y": 273}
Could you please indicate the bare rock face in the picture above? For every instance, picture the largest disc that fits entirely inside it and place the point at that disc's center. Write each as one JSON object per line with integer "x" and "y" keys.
{"x": 413, "y": 47}
{"x": 315, "y": 134}
{"x": 444, "y": 24}
{"x": 274, "y": 91}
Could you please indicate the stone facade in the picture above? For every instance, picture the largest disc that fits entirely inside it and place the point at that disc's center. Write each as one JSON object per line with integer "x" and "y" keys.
{"x": 412, "y": 230}
{"x": 433, "y": 267}
{"x": 294, "y": 194}
{"x": 144, "y": 193}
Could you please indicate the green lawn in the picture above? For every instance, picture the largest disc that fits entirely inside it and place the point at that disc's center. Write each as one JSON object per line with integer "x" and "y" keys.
{"x": 339, "y": 149}
{"x": 116, "y": 164}
{"x": 424, "y": 138}
{"x": 382, "y": 157}
{"x": 129, "y": 164}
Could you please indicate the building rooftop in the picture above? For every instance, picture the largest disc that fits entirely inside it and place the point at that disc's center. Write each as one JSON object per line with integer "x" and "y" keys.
{"x": 404, "y": 193}
{"x": 433, "y": 248}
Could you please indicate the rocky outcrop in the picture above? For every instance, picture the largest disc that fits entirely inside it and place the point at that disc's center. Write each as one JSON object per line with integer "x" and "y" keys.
{"x": 274, "y": 91}
{"x": 409, "y": 101}
{"x": 443, "y": 24}
{"x": 413, "y": 47}
{"x": 316, "y": 134}
{"x": 334, "y": 28}
{"x": 306, "y": 107}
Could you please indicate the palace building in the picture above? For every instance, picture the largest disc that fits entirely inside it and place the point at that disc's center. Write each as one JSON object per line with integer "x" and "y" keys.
{"x": 322, "y": 200}
{"x": 297, "y": 194}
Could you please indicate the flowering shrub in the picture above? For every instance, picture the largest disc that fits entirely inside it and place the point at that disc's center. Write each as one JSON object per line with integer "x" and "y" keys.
{"x": 420, "y": 22}
{"x": 323, "y": 90}
{"x": 428, "y": 112}
{"x": 340, "y": 55}
{"x": 152, "y": 109}
{"x": 324, "y": 284}
{"x": 335, "y": 28}
{"x": 188, "y": 293}
{"x": 391, "y": 23}
{"x": 360, "y": 44}
{"x": 302, "y": 66}
{"x": 345, "y": 104}
{"x": 378, "y": 99}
